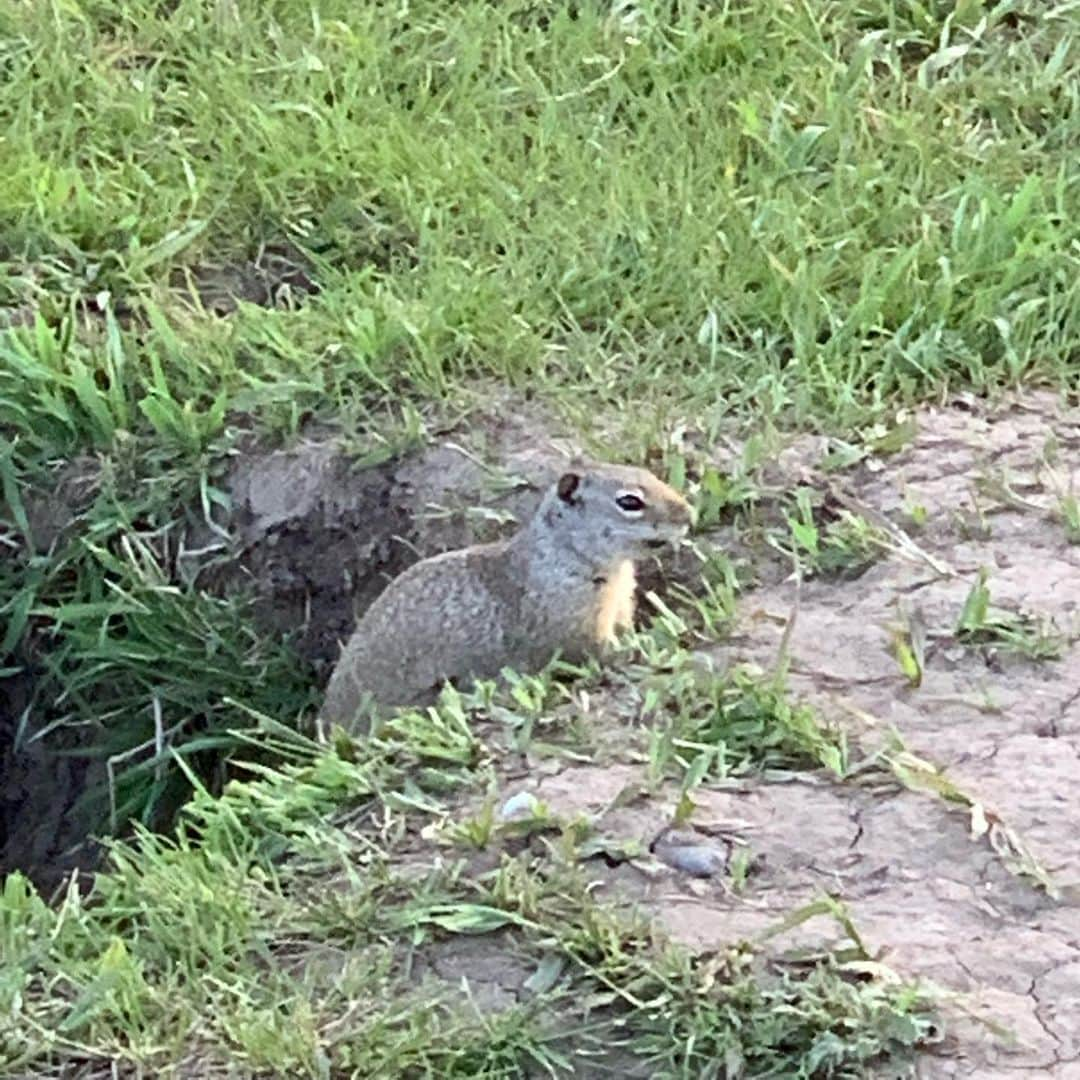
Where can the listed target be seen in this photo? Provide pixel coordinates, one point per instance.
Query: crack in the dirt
(856, 818)
(963, 967)
(915, 586)
(839, 682)
(1065, 706)
(1034, 995)
(1031, 993)
(1037, 1014)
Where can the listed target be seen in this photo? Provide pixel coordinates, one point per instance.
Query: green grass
(647, 215)
(806, 211)
(275, 933)
(981, 624)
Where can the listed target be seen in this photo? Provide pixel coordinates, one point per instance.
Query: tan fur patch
(616, 604)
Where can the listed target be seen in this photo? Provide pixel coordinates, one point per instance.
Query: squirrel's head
(616, 512)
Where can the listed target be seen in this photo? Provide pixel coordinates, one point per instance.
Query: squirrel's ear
(567, 485)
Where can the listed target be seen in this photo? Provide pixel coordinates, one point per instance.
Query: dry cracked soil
(972, 884)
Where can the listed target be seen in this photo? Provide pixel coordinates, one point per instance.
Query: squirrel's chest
(614, 604)
(587, 612)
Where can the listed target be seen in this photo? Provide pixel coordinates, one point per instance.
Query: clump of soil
(277, 275)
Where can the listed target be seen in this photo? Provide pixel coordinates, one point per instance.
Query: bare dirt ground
(955, 892)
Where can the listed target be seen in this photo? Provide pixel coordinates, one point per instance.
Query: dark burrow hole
(275, 275)
(39, 833)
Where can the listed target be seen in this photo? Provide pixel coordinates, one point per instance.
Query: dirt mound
(319, 536)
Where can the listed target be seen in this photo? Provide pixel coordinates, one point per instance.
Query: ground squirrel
(564, 583)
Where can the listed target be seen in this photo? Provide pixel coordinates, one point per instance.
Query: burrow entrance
(314, 535)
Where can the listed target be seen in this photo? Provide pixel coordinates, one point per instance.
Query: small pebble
(699, 860)
(523, 804)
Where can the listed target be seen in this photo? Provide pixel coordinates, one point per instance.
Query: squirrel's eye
(631, 503)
